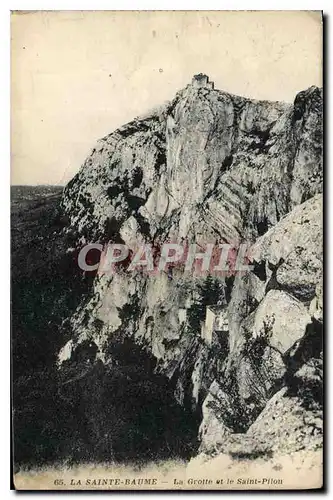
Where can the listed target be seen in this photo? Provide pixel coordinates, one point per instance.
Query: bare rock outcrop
(209, 167)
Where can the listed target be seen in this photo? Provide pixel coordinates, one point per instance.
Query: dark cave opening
(262, 226)
(88, 411)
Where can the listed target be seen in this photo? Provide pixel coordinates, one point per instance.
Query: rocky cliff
(211, 167)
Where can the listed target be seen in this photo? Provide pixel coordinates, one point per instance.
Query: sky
(77, 76)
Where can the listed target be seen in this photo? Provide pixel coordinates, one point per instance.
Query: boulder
(292, 250)
(286, 425)
(213, 430)
(281, 319)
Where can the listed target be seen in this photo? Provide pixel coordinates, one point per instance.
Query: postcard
(166, 255)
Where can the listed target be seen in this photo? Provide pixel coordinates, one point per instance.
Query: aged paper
(167, 250)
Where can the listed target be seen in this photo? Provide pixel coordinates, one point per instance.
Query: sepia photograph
(167, 250)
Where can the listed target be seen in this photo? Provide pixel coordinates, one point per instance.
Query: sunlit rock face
(208, 167)
(234, 166)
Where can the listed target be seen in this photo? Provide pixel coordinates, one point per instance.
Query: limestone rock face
(275, 334)
(293, 250)
(213, 429)
(282, 319)
(278, 429)
(208, 167)
(281, 424)
(230, 164)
